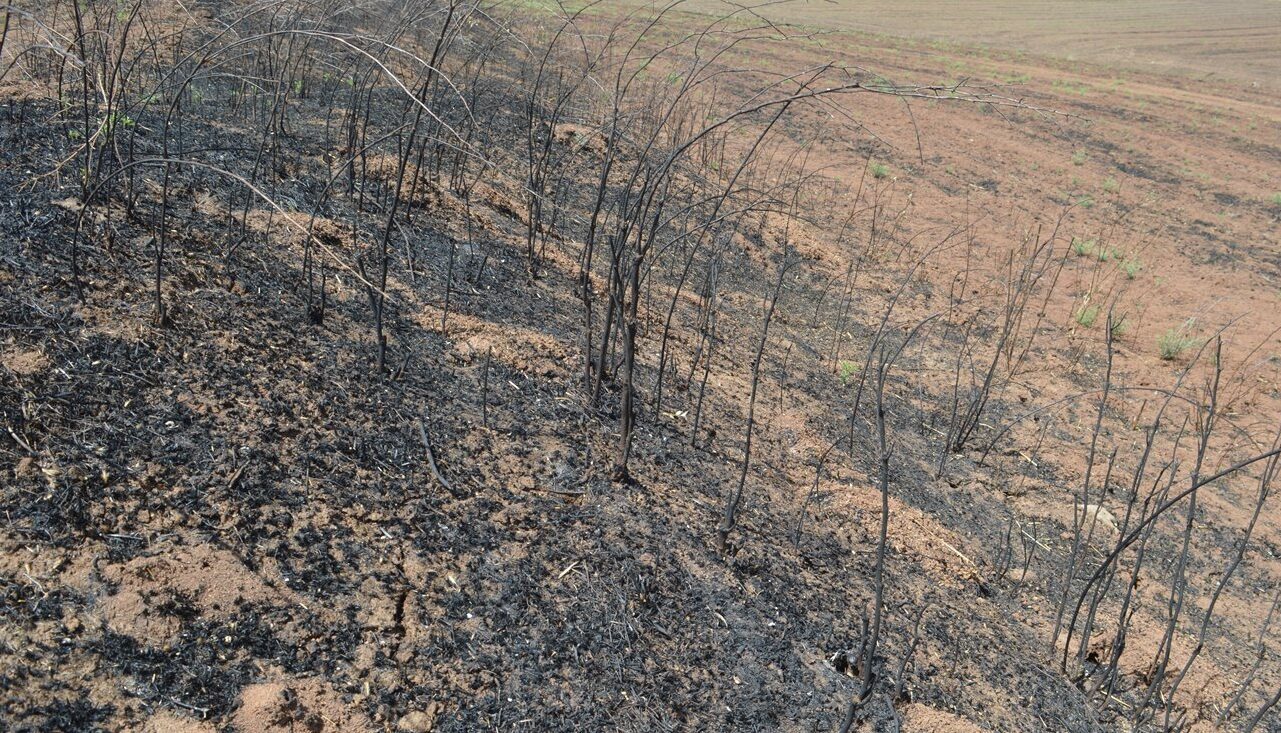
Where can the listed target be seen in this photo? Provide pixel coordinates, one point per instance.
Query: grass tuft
(1120, 326)
(1091, 248)
(1087, 315)
(1175, 341)
(1131, 267)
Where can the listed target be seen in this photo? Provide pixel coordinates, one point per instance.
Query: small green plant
(1120, 326)
(1086, 315)
(1175, 341)
(116, 120)
(109, 125)
(848, 369)
(1078, 158)
(1276, 199)
(1110, 185)
(1085, 201)
(880, 170)
(1131, 267)
(1091, 248)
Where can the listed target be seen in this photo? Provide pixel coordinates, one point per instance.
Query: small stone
(419, 721)
(1098, 515)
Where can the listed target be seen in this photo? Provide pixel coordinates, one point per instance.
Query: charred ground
(235, 517)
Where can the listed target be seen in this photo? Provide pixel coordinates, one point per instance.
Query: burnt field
(455, 366)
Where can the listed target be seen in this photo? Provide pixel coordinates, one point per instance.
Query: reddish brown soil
(1179, 175)
(1193, 39)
